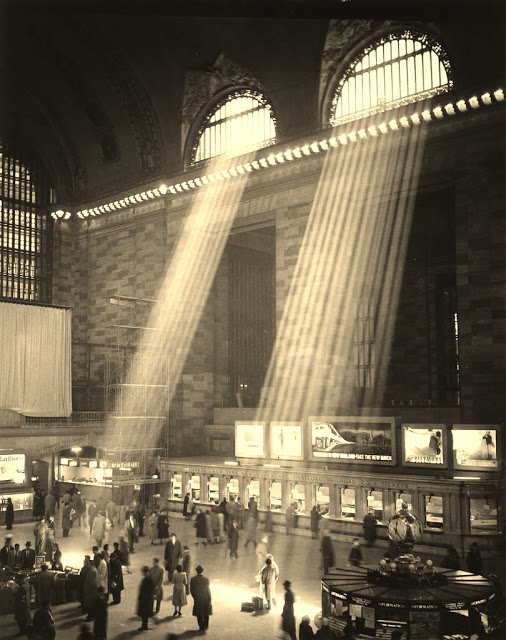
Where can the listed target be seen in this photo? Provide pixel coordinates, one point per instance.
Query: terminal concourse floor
(232, 582)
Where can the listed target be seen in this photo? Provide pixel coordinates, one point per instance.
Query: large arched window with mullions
(25, 228)
(393, 70)
(241, 122)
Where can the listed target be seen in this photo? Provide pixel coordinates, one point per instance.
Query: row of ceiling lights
(429, 115)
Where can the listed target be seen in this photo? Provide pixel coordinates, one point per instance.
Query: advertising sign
(475, 446)
(12, 468)
(353, 439)
(424, 445)
(249, 440)
(286, 440)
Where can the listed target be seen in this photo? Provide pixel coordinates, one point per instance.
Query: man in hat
(201, 593)
(28, 557)
(288, 615)
(5, 551)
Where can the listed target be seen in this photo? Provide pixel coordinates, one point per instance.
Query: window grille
(25, 230)
(364, 348)
(395, 70)
(241, 122)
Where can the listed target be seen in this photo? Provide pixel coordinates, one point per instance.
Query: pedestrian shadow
(189, 633)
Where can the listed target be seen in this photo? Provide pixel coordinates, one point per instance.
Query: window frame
(407, 34)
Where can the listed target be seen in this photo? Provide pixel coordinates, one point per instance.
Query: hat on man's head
(287, 583)
(28, 543)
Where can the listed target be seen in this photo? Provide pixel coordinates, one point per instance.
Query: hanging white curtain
(35, 366)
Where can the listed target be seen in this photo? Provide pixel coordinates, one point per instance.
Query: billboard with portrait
(12, 467)
(424, 445)
(249, 439)
(475, 446)
(353, 439)
(286, 440)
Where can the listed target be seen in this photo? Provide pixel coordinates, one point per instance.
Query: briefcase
(247, 606)
(258, 603)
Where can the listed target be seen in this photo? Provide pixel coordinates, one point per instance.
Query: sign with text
(353, 439)
(12, 468)
(424, 445)
(249, 440)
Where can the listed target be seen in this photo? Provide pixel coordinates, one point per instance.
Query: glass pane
(323, 498)
(483, 514)
(375, 504)
(275, 501)
(434, 512)
(348, 503)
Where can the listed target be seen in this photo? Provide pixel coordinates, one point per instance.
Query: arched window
(243, 121)
(397, 69)
(25, 229)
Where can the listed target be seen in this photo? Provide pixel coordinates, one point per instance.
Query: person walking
(179, 580)
(355, 557)
(92, 514)
(289, 518)
(103, 573)
(268, 579)
(90, 589)
(116, 575)
(153, 527)
(186, 563)
(268, 525)
(209, 527)
(452, 559)
(173, 555)
(66, 522)
(100, 615)
(43, 622)
(240, 513)
(315, 521)
(473, 559)
(327, 551)
(140, 515)
(49, 505)
(200, 527)
(145, 599)
(9, 515)
(251, 529)
(186, 511)
(124, 552)
(201, 594)
(369, 525)
(261, 551)
(22, 603)
(163, 526)
(112, 512)
(288, 615)
(98, 529)
(156, 573)
(233, 539)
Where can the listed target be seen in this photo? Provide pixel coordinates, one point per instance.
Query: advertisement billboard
(475, 446)
(12, 468)
(286, 440)
(250, 440)
(424, 445)
(353, 439)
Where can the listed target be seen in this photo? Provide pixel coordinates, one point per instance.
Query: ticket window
(434, 512)
(213, 488)
(348, 503)
(177, 486)
(195, 487)
(483, 514)
(401, 498)
(233, 488)
(299, 497)
(253, 490)
(375, 504)
(323, 498)
(275, 496)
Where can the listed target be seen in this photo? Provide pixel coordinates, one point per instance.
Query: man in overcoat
(201, 593)
(145, 599)
(173, 555)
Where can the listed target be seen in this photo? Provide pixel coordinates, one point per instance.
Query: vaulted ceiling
(96, 89)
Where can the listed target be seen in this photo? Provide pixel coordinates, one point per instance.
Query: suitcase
(247, 606)
(258, 603)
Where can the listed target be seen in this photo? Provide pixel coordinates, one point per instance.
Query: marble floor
(232, 582)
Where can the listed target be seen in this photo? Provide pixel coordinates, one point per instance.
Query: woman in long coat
(233, 539)
(180, 582)
(315, 521)
(186, 511)
(116, 576)
(153, 526)
(9, 514)
(90, 590)
(200, 527)
(145, 599)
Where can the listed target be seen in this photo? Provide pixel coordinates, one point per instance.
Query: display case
(22, 501)
(12, 467)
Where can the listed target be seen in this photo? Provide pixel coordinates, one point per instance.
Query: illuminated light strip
(306, 149)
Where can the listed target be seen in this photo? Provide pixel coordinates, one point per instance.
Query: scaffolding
(136, 398)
